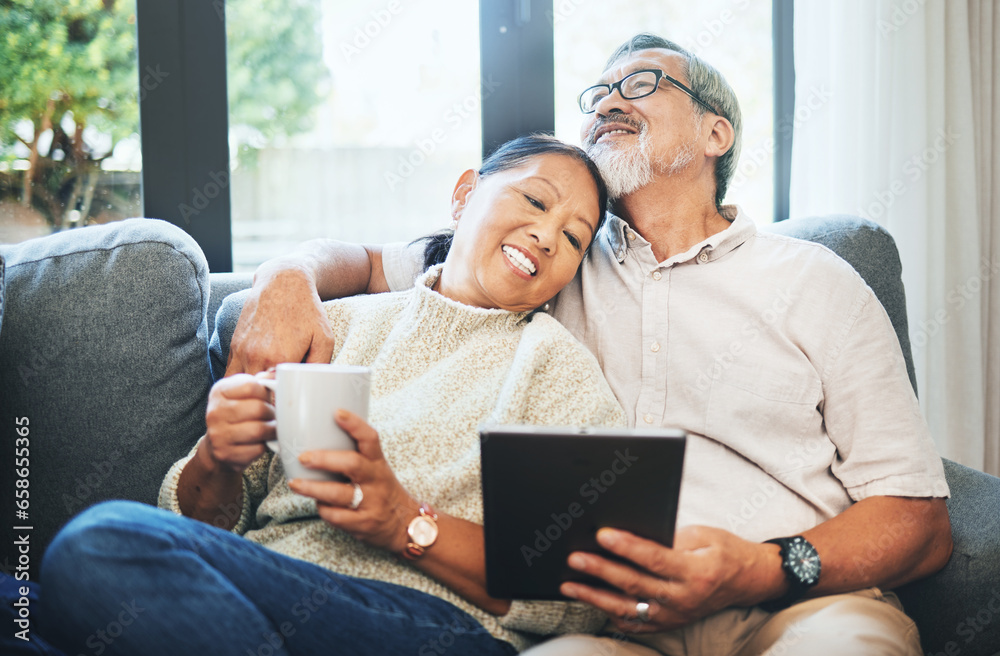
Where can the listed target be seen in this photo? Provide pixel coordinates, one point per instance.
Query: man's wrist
(771, 581)
(287, 270)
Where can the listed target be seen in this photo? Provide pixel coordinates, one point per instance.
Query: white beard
(627, 169)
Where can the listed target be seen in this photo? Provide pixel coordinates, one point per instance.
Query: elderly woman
(315, 571)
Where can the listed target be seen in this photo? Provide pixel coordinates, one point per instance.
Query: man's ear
(460, 196)
(721, 138)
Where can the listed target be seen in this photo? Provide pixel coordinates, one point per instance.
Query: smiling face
(521, 233)
(633, 141)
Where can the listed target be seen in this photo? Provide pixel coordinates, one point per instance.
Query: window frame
(187, 181)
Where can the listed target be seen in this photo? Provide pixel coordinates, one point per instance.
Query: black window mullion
(784, 102)
(517, 66)
(184, 115)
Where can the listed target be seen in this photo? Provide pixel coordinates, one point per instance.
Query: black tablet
(546, 492)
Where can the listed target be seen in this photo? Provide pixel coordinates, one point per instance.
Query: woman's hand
(239, 420)
(386, 510)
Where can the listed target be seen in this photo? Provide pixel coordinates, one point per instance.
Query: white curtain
(908, 135)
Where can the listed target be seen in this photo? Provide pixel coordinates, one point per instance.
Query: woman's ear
(721, 139)
(460, 197)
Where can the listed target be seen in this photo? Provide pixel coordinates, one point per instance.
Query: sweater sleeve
(254, 491)
(559, 383)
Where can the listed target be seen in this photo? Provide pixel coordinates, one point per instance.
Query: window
(69, 120)
(732, 35)
(350, 121)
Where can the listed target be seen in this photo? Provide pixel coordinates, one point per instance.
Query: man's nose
(612, 103)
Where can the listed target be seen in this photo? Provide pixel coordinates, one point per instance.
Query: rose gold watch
(422, 531)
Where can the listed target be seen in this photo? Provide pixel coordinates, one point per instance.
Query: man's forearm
(878, 542)
(336, 269)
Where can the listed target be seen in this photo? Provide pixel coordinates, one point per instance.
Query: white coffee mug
(306, 397)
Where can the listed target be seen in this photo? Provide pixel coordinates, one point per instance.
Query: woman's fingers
(362, 432)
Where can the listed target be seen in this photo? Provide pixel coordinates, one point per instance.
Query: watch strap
(797, 588)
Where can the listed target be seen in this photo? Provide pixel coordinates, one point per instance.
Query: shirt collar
(621, 237)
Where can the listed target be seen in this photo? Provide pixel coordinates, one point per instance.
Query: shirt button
(703, 257)
(657, 275)
(655, 347)
(648, 419)
(631, 236)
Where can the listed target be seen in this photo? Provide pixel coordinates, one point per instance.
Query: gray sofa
(111, 336)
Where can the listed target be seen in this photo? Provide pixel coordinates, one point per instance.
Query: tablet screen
(546, 492)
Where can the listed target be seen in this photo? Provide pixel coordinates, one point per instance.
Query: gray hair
(710, 86)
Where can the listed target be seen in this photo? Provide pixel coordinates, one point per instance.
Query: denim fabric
(19, 618)
(104, 351)
(139, 580)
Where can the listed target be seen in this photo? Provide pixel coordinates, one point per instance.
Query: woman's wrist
(205, 486)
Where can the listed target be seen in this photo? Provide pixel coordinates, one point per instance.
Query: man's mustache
(616, 119)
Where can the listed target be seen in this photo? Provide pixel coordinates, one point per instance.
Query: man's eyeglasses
(634, 85)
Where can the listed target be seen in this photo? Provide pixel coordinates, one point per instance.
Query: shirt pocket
(768, 414)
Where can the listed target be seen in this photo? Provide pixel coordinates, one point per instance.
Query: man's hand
(708, 569)
(283, 320)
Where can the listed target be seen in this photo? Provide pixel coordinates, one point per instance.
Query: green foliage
(72, 56)
(67, 65)
(275, 64)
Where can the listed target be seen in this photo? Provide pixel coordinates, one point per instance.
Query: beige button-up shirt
(771, 352)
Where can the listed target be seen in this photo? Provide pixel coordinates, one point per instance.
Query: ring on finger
(642, 611)
(357, 498)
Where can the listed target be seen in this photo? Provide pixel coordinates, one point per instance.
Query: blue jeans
(127, 578)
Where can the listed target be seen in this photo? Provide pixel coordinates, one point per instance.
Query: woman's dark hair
(512, 154)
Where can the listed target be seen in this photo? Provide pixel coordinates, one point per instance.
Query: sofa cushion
(104, 352)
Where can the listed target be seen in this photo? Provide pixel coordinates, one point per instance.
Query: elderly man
(806, 441)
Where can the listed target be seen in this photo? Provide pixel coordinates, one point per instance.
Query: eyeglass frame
(660, 75)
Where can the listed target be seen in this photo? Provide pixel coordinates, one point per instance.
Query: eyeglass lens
(633, 86)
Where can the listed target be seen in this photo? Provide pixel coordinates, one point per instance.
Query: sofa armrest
(104, 351)
(958, 609)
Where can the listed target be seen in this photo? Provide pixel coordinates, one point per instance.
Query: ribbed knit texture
(440, 370)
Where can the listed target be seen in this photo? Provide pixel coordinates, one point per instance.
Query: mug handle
(272, 385)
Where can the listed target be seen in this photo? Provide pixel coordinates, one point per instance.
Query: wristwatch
(422, 531)
(801, 563)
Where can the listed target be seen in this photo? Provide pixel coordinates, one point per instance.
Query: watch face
(423, 531)
(803, 560)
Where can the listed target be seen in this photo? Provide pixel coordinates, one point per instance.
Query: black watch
(801, 563)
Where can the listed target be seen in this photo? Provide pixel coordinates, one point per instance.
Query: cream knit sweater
(440, 370)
